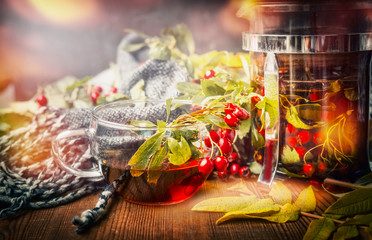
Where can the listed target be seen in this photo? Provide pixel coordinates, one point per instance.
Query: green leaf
(306, 201)
(259, 208)
(244, 127)
(257, 139)
(281, 194)
(211, 88)
(189, 88)
(320, 229)
(156, 164)
(255, 167)
(141, 157)
(309, 111)
(111, 98)
(366, 179)
(184, 39)
(168, 103)
(181, 151)
(161, 124)
(364, 219)
(355, 202)
(137, 92)
(224, 204)
(346, 232)
(292, 117)
(134, 47)
(159, 50)
(78, 83)
(215, 120)
(289, 155)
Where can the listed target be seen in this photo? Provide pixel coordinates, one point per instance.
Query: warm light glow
(66, 11)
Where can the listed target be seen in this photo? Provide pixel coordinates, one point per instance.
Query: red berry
(322, 168)
(223, 175)
(221, 163)
(315, 95)
(308, 169)
(261, 131)
(230, 107)
(234, 169)
(245, 172)
(292, 141)
(319, 137)
(42, 100)
(205, 166)
(225, 145)
(301, 151)
(255, 99)
(304, 136)
(231, 120)
(114, 89)
(98, 89)
(228, 133)
(291, 128)
(233, 157)
(94, 96)
(209, 74)
(241, 113)
(212, 135)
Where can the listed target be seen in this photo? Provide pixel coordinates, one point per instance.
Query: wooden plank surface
(124, 220)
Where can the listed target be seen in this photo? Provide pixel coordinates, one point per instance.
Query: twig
(319, 217)
(343, 184)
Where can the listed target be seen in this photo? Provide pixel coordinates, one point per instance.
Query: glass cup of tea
(146, 145)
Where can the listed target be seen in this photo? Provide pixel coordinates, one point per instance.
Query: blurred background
(44, 40)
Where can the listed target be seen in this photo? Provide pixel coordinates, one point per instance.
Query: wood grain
(129, 221)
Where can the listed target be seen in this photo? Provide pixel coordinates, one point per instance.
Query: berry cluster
(228, 162)
(96, 91)
(234, 115)
(300, 140)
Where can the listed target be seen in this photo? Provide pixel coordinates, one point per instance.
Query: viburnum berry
(308, 169)
(241, 113)
(301, 151)
(225, 145)
(209, 74)
(230, 107)
(322, 168)
(42, 100)
(319, 137)
(245, 172)
(292, 141)
(291, 128)
(255, 99)
(231, 120)
(233, 158)
(98, 89)
(304, 136)
(205, 166)
(221, 163)
(94, 96)
(228, 133)
(234, 169)
(223, 175)
(212, 135)
(315, 95)
(114, 89)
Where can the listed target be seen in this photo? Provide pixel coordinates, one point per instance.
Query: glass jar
(313, 65)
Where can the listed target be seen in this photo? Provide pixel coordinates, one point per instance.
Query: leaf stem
(320, 217)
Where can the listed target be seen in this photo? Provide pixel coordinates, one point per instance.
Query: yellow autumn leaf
(224, 204)
(306, 201)
(281, 194)
(259, 208)
(288, 212)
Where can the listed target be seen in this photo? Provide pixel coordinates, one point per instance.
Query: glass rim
(297, 43)
(124, 126)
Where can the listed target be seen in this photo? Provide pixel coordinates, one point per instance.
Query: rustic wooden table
(129, 221)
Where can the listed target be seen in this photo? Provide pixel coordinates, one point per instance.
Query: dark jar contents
(324, 106)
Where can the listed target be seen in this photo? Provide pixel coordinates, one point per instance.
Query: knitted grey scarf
(29, 176)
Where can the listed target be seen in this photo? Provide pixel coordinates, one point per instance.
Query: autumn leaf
(346, 232)
(224, 204)
(355, 202)
(281, 194)
(289, 155)
(306, 201)
(320, 229)
(258, 208)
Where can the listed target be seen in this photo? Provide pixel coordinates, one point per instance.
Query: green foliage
(320, 229)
